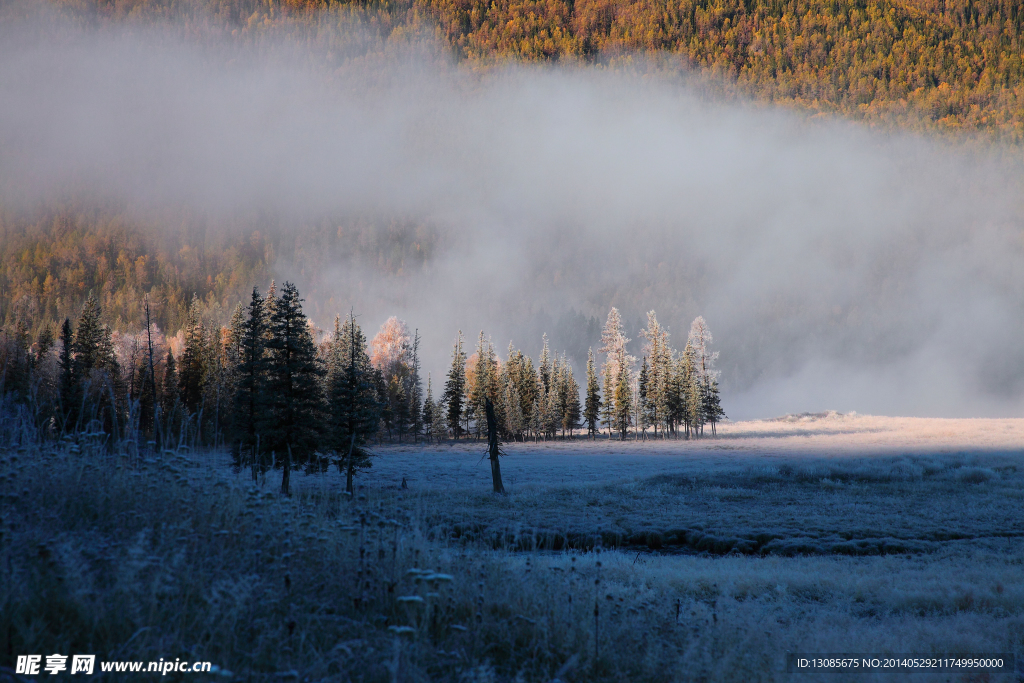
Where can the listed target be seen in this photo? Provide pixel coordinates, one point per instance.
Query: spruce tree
(293, 417)
(439, 422)
(68, 380)
(250, 390)
(674, 405)
(96, 368)
(416, 419)
(645, 410)
(544, 368)
(713, 412)
(427, 416)
(572, 410)
(592, 409)
(354, 402)
(536, 418)
(455, 387)
(515, 421)
(623, 401)
(704, 361)
(613, 345)
(192, 364)
(659, 372)
(691, 389)
(476, 388)
(88, 338)
(169, 402)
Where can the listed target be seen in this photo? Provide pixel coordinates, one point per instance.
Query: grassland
(135, 555)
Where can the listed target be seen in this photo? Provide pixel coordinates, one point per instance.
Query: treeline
(278, 396)
(950, 67)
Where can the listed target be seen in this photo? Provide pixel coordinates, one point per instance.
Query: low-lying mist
(838, 268)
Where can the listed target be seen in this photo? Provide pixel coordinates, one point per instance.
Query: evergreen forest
(280, 394)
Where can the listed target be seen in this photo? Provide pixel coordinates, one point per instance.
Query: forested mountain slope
(952, 69)
(949, 67)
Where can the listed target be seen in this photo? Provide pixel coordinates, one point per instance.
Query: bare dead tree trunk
(492, 447)
(351, 465)
(152, 380)
(286, 472)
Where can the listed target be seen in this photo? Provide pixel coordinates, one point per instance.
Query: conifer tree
(623, 401)
(427, 416)
(704, 363)
(391, 357)
(169, 402)
(439, 421)
(592, 410)
(659, 372)
(192, 364)
(416, 419)
(93, 347)
(87, 337)
(544, 368)
(691, 392)
(558, 398)
(536, 418)
(455, 387)
(250, 388)
(644, 404)
(294, 408)
(613, 345)
(477, 386)
(571, 410)
(674, 404)
(68, 382)
(235, 335)
(355, 404)
(515, 422)
(713, 412)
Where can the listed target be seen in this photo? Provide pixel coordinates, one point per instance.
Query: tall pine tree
(250, 385)
(354, 404)
(455, 388)
(293, 417)
(592, 409)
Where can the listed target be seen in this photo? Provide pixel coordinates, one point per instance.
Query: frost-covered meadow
(814, 533)
(660, 561)
(813, 484)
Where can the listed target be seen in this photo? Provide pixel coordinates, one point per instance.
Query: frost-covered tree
(713, 412)
(704, 362)
(643, 404)
(455, 388)
(569, 399)
(414, 389)
(427, 415)
(692, 400)
(623, 402)
(658, 386)
(592, 407)
(544, 367)
(613, 346)
(392, 357)
(482, 382)
(515, 421)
